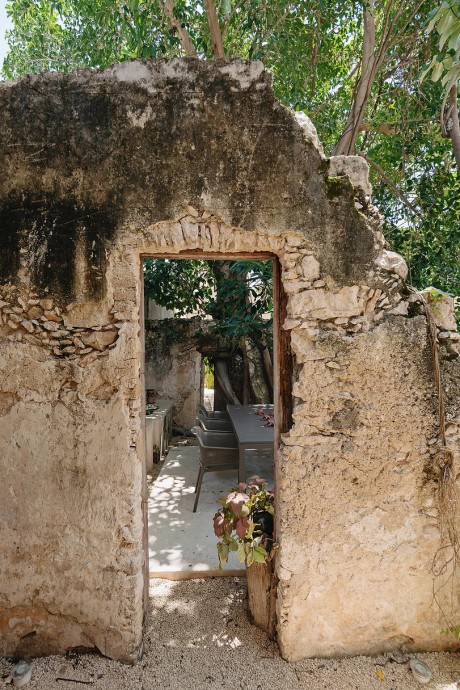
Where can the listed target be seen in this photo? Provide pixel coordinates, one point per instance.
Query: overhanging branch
(388, 181)
(167, 7)
(214, 28)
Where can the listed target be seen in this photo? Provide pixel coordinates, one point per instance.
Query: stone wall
(173, 365)
(99, 169)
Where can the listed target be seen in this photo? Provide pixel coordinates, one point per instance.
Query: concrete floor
(182, 544)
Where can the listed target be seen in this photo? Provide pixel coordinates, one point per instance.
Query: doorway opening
(211, 341)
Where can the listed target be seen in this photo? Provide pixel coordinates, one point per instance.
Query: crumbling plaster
(99, 169)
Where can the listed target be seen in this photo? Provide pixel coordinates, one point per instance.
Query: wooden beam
(283, 364)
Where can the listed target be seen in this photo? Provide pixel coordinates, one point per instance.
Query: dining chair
(218, 451)
(211, 424)
(213, 414)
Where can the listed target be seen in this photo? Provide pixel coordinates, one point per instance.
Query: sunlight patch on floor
(182, 544)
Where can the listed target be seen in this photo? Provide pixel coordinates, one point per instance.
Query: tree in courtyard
(238, 296)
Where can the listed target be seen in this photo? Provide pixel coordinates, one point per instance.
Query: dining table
(251, 431)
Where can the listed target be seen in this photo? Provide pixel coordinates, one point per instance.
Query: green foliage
(432, 245)
(242, 525)
(185, 285)
(208, 373)
(237, 295)
(446, 64)
(244, 300)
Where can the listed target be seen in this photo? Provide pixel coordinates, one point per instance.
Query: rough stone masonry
(98, 169)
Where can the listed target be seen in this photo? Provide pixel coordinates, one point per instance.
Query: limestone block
(295, 286)
(310, 268)
(85, 315)
(305, 347)
(46, 303)
(309, 131)
(401, 308)
(442, 308)
(289, 324)
(391, 261)
(35, 312)
(355, 167)
(99, 340)
(324, 304)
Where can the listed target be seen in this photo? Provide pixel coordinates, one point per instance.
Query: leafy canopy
(237, 295)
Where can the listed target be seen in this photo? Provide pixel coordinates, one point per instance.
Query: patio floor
(182, 544)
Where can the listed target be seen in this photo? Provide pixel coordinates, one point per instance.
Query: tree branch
(382, 174)
(404, 28)
(454, 133)
(347, 141)
(167, 6)
(372, 60)
(228, 21)
(214, 28)
(391, 127)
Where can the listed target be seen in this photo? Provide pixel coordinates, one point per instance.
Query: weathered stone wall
(173, 365)
(153, 158)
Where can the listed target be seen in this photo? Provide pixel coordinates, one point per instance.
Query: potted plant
(244, 524)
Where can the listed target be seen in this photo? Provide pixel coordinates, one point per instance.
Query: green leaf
(222, 551)
(258, 557)
(451, 77)
(241, 553)
(437, 71)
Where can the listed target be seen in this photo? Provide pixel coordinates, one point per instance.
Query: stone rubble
(41, 318)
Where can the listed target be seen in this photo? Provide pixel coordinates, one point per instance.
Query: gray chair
(211, 424)
(218, 451)
(214, 414)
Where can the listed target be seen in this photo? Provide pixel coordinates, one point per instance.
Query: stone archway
(154, 158)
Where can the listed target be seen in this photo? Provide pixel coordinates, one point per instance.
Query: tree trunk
(369, 67)
(214, 28)
(260, 390)
(246, 374)
(455, 131)
(221, 375)
(268, 364)
(262, 596)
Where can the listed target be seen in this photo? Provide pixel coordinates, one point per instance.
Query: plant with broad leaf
(445, 19)
(245, 523)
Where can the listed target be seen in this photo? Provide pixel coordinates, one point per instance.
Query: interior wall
(100, 169)
(173, 365)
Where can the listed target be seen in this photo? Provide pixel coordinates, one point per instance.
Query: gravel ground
(199, 638)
